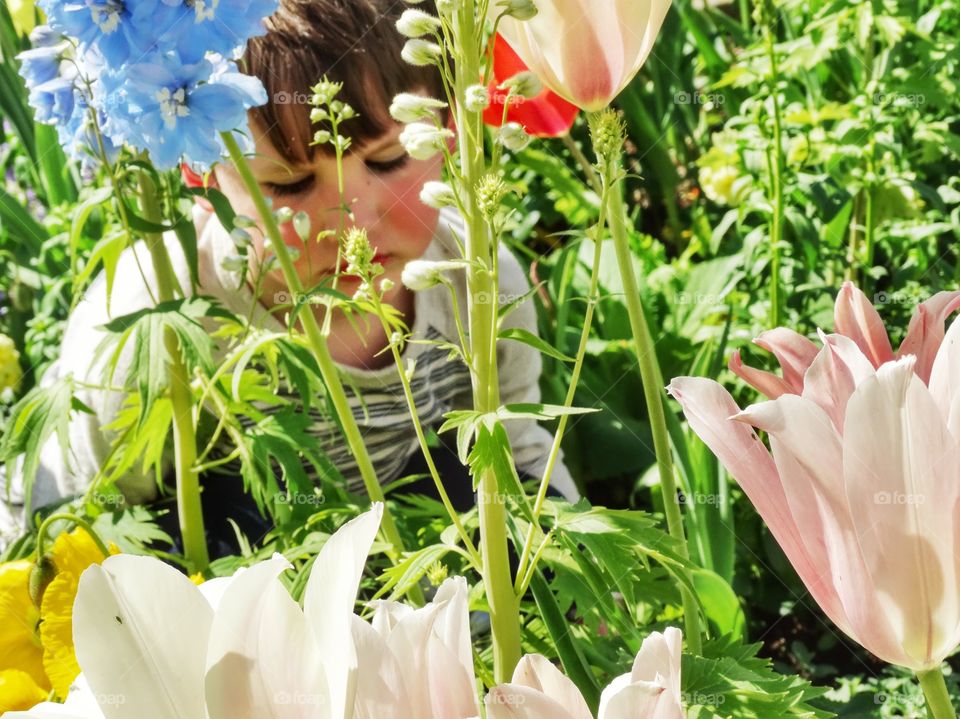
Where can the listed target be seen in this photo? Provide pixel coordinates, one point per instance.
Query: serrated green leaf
(518, 334)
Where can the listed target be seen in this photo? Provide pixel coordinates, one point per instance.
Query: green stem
(321, 352)
(67, 517)
(422, 439)
(482, 283)
(189, 506)
(935, 691)
(776, 230)
(653, 393)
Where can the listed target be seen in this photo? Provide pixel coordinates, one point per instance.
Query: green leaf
(491, 452)
(720, 604)
(531, 410)
(33, 420)
(405, 574)
(527, 337)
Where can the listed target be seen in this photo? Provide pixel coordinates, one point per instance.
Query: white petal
(329, 601)
(538, 672)
(140, 628)
(380, 689)
(262, 660)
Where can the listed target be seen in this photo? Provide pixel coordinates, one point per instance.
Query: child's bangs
(350, 41)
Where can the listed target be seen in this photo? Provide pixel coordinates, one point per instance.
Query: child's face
(381, 185)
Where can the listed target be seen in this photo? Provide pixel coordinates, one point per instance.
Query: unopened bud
(525, 84)
(301, 224)
(407, 107)
(422, 141)
(283, 215)
(421, 52)
(424, 274)
(415, 23)
(518, 9)
(477, 99)
(234, 263)
(437, 195)
(241, 238)
(514, 137)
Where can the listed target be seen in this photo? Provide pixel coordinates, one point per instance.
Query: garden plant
(722, 217)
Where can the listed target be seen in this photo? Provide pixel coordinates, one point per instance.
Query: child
(354, 42)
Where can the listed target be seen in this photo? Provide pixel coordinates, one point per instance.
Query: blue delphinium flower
(175, 110)
(49, 75)
(217, 26)
(121, 30)
(79, 136)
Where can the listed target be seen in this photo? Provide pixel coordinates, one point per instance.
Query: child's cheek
(409, 217)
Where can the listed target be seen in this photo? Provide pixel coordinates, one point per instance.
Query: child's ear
(194, 179)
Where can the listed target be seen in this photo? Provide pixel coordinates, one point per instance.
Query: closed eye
(384, 168)
(291, 188)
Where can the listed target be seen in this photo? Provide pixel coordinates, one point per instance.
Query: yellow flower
(18, 691)
(10, 372)
(72, 553)
(19, 643)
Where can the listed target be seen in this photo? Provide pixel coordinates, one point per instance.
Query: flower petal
(514, 701)
(381, 693)
(328, 604)
(766, 383)
(140, 629)
(856, 318)
(902, 474)
(834, 375)
(538, 672)
(659, 661)
(261, 660)
(945, 379)
(623, 700)
(793, 351)
(925, 332)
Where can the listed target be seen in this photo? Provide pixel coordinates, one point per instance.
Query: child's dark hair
(350, 41)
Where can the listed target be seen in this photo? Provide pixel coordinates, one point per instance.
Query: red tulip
(546, 115)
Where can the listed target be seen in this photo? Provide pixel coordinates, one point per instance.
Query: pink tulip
(587, 51)
(861, 490)
(651, 690)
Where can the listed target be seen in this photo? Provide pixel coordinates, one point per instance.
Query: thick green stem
(321, 352)
(653, 393)
(935, 691)
(189, 507)
(483, 309)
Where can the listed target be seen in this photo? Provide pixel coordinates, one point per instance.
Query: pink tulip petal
(793, 351)
(856, 318)
(380, 690)
(639, 699)
(538, 672)
(659, 660)
(808, 452)
(766, 383)
(514, 701)
(834, 375)
(925, 332)
(945, 379)
(902, 471)
(708, 408)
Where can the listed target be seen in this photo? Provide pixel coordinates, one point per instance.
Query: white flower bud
(477, 98)
(386, 284)
(518, 9)
(241, 238)
(514, 137)
(283, 215)
(525, 84)
(301, 223)
(446, 8)
(234, 263)
(293, 253)
(421, 52)
(407, 107)
(243, 221)
(318, 114)
(423, 274)
(437, 195)
(416, 23)
(423, 141)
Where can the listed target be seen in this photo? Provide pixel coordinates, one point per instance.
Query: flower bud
(407, 107)
(234, 263)
(477, 99)
(318, 114)
(437, 195)
(283, 215)
(415, 23)
(301, 224)
(446, 8)
(514, 137)
(423, 141)
(421, 52)
(241, 238)
(423, 274)
(518, 9)
(608, 133)
(386, 284)
(244, 221)
(490, 192)
(357, 251)
(42, 573)
(525, 84)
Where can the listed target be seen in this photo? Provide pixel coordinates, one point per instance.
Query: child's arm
(520, 366)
